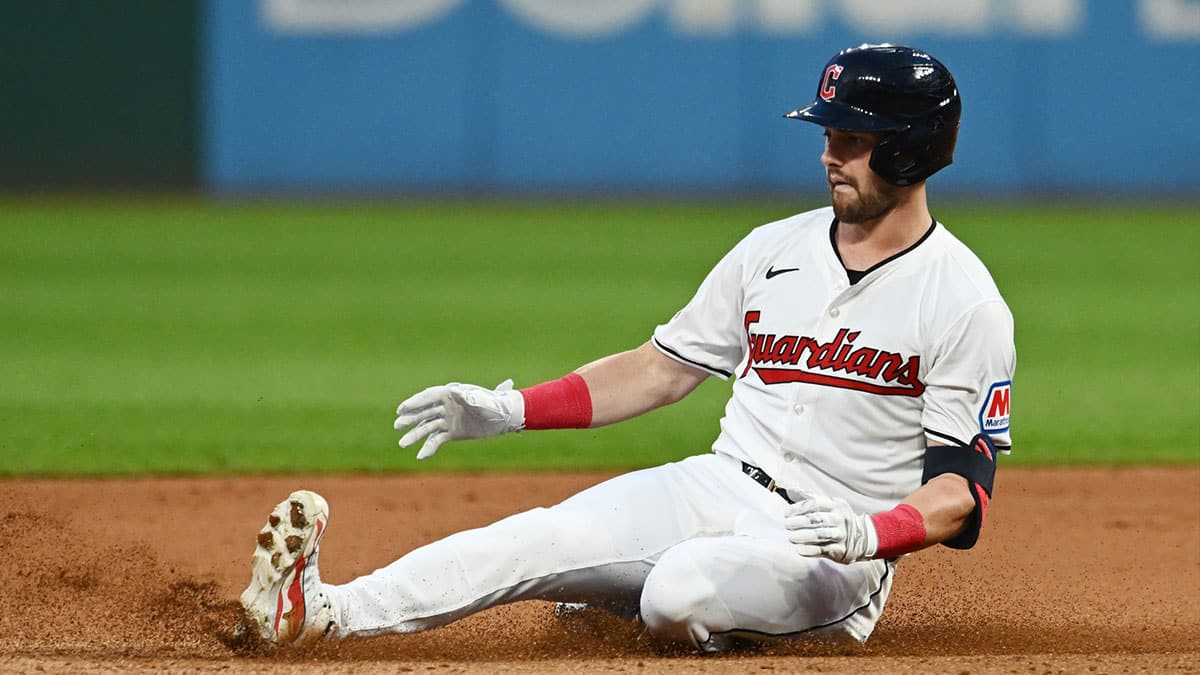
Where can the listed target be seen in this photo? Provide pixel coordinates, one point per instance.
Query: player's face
(857, 193)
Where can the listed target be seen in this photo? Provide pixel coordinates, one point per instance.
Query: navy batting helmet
(900, 91)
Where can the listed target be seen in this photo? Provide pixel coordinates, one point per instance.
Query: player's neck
(862, 245)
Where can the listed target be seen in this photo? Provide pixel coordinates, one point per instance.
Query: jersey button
(799, 408)
(834, 312)
(789, 458)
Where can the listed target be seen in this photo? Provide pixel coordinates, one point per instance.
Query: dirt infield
(1079, 570)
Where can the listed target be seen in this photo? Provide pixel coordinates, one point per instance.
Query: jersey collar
(837, 254)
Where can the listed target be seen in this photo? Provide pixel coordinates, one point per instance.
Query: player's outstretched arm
(631, 383)
(612, 389)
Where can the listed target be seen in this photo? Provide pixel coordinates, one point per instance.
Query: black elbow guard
(975, 461)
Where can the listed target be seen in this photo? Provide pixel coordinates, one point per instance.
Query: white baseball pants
(696, 547)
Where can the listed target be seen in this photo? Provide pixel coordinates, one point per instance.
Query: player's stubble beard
(865, 203)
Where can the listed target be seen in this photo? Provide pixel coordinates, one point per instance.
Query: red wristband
(564, 403)
(900, 531)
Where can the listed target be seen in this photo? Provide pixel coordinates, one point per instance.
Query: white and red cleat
(285, 600)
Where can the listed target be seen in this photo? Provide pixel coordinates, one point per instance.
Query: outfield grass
(183, 336)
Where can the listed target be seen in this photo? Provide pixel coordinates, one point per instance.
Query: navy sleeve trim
(944, 437)
(696, 364)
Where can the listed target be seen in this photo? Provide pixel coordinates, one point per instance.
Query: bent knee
(680, 601)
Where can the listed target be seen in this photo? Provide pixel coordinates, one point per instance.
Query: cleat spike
(298, 520)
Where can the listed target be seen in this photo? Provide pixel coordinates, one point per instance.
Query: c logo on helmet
(827, 88)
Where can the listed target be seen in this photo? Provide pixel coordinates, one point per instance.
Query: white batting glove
(828, 527)
(456, 411)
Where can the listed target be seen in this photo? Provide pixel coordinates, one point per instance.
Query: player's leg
(598, 546)
(707, 591)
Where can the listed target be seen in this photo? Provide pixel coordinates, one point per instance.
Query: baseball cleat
(285, 600)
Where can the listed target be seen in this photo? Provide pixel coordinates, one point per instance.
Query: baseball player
(871, 357)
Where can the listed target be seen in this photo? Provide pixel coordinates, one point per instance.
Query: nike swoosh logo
(772, 272)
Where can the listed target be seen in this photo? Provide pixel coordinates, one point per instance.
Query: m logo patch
(993, 416)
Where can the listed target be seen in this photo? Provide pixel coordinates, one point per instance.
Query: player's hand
(456, 411)
(827, 527)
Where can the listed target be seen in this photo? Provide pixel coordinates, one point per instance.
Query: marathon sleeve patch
(968, 387)
(994, 415)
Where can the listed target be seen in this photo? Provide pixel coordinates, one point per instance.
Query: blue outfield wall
(1075, 95)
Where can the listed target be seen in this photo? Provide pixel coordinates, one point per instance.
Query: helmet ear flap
(894, 159)
(914, 153)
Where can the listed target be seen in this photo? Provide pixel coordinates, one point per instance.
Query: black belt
(764, 479)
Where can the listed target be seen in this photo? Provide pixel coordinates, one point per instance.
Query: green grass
(183, 336)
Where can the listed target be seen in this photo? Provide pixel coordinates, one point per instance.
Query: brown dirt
(1094, 570)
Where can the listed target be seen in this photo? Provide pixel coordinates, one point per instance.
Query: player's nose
(827, 157)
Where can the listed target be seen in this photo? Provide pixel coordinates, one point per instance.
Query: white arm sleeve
(968, 389)
(708, 333)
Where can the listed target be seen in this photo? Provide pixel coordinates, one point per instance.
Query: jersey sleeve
(968, 389)
(708, 333)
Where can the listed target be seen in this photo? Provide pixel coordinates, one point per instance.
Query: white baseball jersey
(839, 387)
